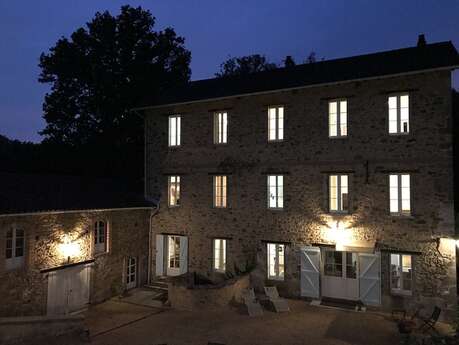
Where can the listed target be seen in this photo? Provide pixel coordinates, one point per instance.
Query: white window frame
(175, 129)
(100, 242)
(15, 261)
(173, 194)
(220, 127)
(341, 118)
(397, 112)
(279, 250)
(339, 193)
(275, 192)
(401, 290)
(397, 193)
(219, 254)
(220, 191)
(276, 116)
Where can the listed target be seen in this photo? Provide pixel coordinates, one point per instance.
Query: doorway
(173, 255)
(131, 272)
(340, 274)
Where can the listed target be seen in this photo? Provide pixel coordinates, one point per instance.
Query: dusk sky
(213, 30)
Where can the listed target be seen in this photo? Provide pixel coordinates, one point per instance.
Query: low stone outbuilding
(66, 242)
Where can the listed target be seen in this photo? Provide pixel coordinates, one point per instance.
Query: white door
(131, 272)
(370, 278)
(68, 290)
(310, 271)
(173, 255)
(340, 273)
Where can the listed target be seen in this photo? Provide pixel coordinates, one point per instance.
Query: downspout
(152, 214)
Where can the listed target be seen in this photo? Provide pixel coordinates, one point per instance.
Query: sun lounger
(253, 306)
(279, 304)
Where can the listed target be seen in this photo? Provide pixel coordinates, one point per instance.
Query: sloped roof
(28, 193)
(406, 60)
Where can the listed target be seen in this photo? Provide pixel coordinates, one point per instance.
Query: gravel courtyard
(115, 323)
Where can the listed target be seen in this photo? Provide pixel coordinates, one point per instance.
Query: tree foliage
(244, 65)
(97, 75)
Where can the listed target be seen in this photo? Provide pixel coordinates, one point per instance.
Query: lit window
(275, 191)
(174, 130)
(338, 193)
(275, 123)
(220, 191)
(174, 252)
(337, 118)
(15, 243)
(399, 190)
(174, 190)
(100, 237)
(276, 263)
(219, 255)
(221, 128)
(399, 114)
(401, 273)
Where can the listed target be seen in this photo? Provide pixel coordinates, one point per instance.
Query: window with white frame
(275, 123)
(399, 114)
(276, 261)
(276, 191)
(100, 237)
(400, 194)
(174, 130)
(220, 195)
(337, 118)
(174, 191)
(220, 255)
(401, 273)
(221, 127)
(15, 248)
(338, 193)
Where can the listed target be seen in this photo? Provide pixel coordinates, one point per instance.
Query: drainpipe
(152, 214)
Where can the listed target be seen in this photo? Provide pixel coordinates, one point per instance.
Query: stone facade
(25, 289)
(306, 157)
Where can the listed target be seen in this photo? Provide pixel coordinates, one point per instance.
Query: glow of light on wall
(68, 248)
(338, 233)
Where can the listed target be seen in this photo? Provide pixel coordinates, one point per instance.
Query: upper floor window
(221, 127)
(174, 130)
(338, 193)
(276, 263)
(100, 237)
(401, 273)
(275, 191)
(174, 190)
(400, 195)
(15, 243)
(337, 118)
(220, 194)
(220, 255)
(275, 123)
(399, 114)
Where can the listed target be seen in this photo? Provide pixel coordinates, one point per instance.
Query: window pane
(351, 265)
(178, 131)
(271, 260)
(393, 102)
(332, 127)
(280, 123)
(343, 107)
(332, 108)
(395, 271)
(343, 124)
(333, 263)
(333, 185)
(272, 124)
(404, 101)
(225, 128)
(280, 261)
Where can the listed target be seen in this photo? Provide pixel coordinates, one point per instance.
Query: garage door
(68, 289)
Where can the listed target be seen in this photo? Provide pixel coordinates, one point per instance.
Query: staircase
(160, 289)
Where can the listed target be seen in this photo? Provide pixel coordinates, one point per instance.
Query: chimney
(421, 41)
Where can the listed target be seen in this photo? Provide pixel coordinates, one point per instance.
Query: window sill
(276, 141)
(338, 213)
(173, 206)
(100, 254)
(274, 279)
(402, 293)
(338, 137)
(399, 134)
(275, 209)
(401, 215)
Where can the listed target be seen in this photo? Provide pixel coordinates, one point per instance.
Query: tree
(97, 75)
(311, 58)
(244, 65)
(289, 62)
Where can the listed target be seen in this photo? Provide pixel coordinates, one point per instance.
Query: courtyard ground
(117, 323)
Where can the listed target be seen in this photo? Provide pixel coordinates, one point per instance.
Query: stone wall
(25, 289)
(305, 158)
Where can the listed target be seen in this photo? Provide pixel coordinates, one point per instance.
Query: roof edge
(38, 213)
(451, 67)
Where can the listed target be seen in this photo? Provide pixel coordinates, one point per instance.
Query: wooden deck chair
(279, 304)
(253, 306)
(429, 323)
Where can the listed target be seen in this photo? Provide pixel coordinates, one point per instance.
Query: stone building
(67, 242)
(329, 180)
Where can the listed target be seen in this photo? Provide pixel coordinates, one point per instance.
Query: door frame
(172, 271)
(133, 284)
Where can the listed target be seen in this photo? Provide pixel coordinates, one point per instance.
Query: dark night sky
(213, 30)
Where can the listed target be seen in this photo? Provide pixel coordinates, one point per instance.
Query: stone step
(157, 287)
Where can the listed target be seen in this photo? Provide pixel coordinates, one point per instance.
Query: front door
(340, 275)
(131, 272)
(68, 290)
(173, 255)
